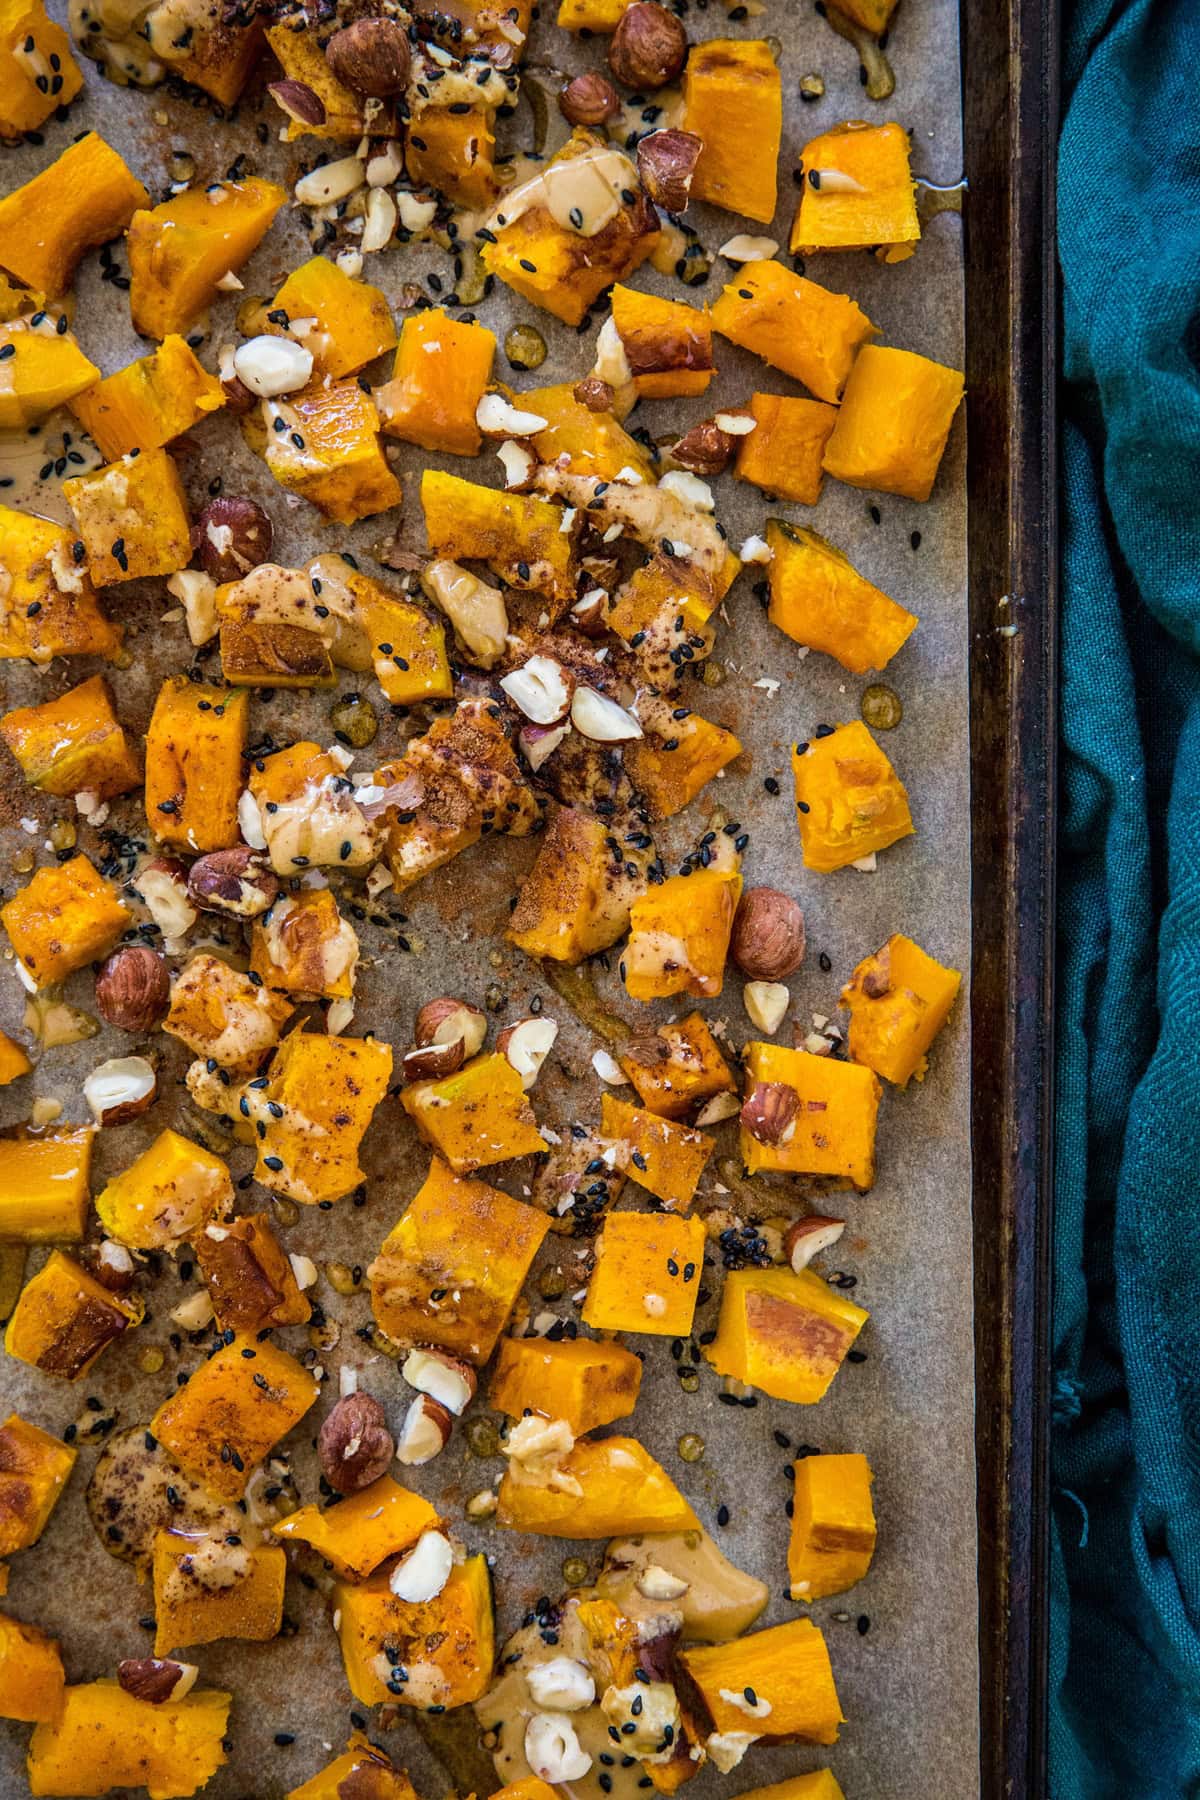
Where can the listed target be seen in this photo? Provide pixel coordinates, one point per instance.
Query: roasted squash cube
(323, 443)
(451, 1269)
(306, 808)
(233, 1411)
(559, 268)
(363, 1769)
(834, 1131)
(586, 1383)
(624, 1492)
(794, 325)
(818, 598)
(149, 402)
(785, 1334)
(358, 1533)
(303, 946)
(898, 1001)
(532, 1787)
(67, 915)
(250, 1280)
(679, 935)
(104, 1738)
(73, 744)
(592, 443)
(879, 212)
(441, 370)
(786, 1666)
(520, 536)
(576, 898)
(667, 344)
(833, 1525)
(169, 1194)
(349, 323)
(479, 1116)
(34, 1468)
(180, 251)
(454, 151)
(328, 1089)
(850, 802)
(647, 1274)
(820, 1785)
(691, 1071)
(51, 607)
(194, 751)
(436, 1653)
(132, 516)
(218, 55)
(894, 421)
(31, 1672)
(302, 59)
(44, 369)
(64, 1319)
(220, 1014)
(44, 1185)
(668, 773)
(13, 1064)
(206, 1589)
(38, 73)
(83, 198)
(666, 1159)
(783, 453)
(585, 15)
(733, 101)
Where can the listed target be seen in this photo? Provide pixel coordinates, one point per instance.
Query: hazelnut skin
(371, 56)
(354, 1446)
(648, 48)
(133, 989)
(666, 163)
(250, 534)
(767, 942)
(589, 100)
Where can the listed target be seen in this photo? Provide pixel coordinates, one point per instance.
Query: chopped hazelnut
(666, 162)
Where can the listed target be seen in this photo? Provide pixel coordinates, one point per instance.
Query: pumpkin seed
(691, 1445)
(575, 1571)
(689, 1382)
(63, 834)
(552, 1283)
(483, 1438)
(151, 1361)
(881, 707)
(356, 720)
(342, 1278)
(875, 70)
(525, 347)
(286, 1211)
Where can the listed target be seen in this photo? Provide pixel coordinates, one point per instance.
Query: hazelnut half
(156, 1679)
(424, 1433)
(133, 989)
(648, 48)
(769, 1112)
(594, 393)
(299, 101)
(231, 536)
(234, 881)
(430, 1062)
(589, 100)
(527, 1044)
(705, 449)
(767, 942)
(666, 162)
(120, 1089)
(371, 56)
(444, 1378)
(354, 1446)
(806, 1238)
(448, 1021)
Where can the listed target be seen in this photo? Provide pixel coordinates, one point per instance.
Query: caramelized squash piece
(206, 1589)
(303, 946)
(441, 371)
(50, 608)
(13, 1061)
(132, 516)
(783, 1333)
(194, 749)
(850, 801)
(233, 1411)
(678, 1069)
(436, 1653)
(872, 208)
(352, 321)
(83, 198)
(786, 1666)
(34, 1469)
(588, 1384)
(647, 1274)
(667, 344)
(328, 1088)
(149, 402)
(894, 421)
(624, 1491)
(520, 536)
(219, 53)
(180, 251)
(249, 1277)
(31, 1673)
(818, 598)
(73, 744)
(380, 1521)
(576, 898)
(223, 1016)
(302, 59)
(364, 1770)
(593, 443)
(455, 152)
(104, 1738)
(898, 1001)
(167, 1195)
(450, 1270)
(679, 935)
(668, 773)
(323, 443)
(666, 1158)
(733, 100)
(40, 368)
(795, 325)
(833, 1525)
(66, 916)
(38, 73)
(64, 1319)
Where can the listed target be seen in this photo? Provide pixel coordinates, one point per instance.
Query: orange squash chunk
(66, 916)
(693, 1070)
(31, 1673)
(834, 1131)
(586, 1383)
(444, 1648)
(220, 1014)
(302, 58)
(679, 935)
(441, 371)
(520, 536)
(83, 198)
(894, 421)
(74, 743)
(667, 344)
(881, 216)
(783, 453)
(44, 1184)
(194, 764)
(42, 369)
(850, 801)
(364, 1529)
(820, 1785)
(898, 1001)
(328, 1089)
(206, 1589)
(450, 1270)
(833, 1525)
(593, 443)
(647, 1274)
(180, 251)
(105, 1738)
(249, 1277)
(733, 100)
(454, 152)
(795, 325)
(168, 1194)
(323, 443)
(818, 598)
(787, 1666)
(354, 322)
(576, 898)
(34, 1468)
(64, 1319)
(38, 73)
(13, 1061)
(667, 1159)
(222, 1424)
(303, 946)
(668, 779)
(624, 1492)
(477, 1117)
(149, 402)
(362, 1769)
(51, 606)
(132, 516)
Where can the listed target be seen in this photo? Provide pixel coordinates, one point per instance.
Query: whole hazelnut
(648, 48)
(705, 449)
(354, 1446)
(666, 162)
(230, 537)
(594, 393)
(769, 1112)
(371, 56)
(299, 101)
(155, 1679)
(133, 989)
(236, 881)
(767, 942)
(589, 100)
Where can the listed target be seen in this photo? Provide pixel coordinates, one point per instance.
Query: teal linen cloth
(1125, 1621)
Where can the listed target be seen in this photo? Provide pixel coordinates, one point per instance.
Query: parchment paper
(903, 1643)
